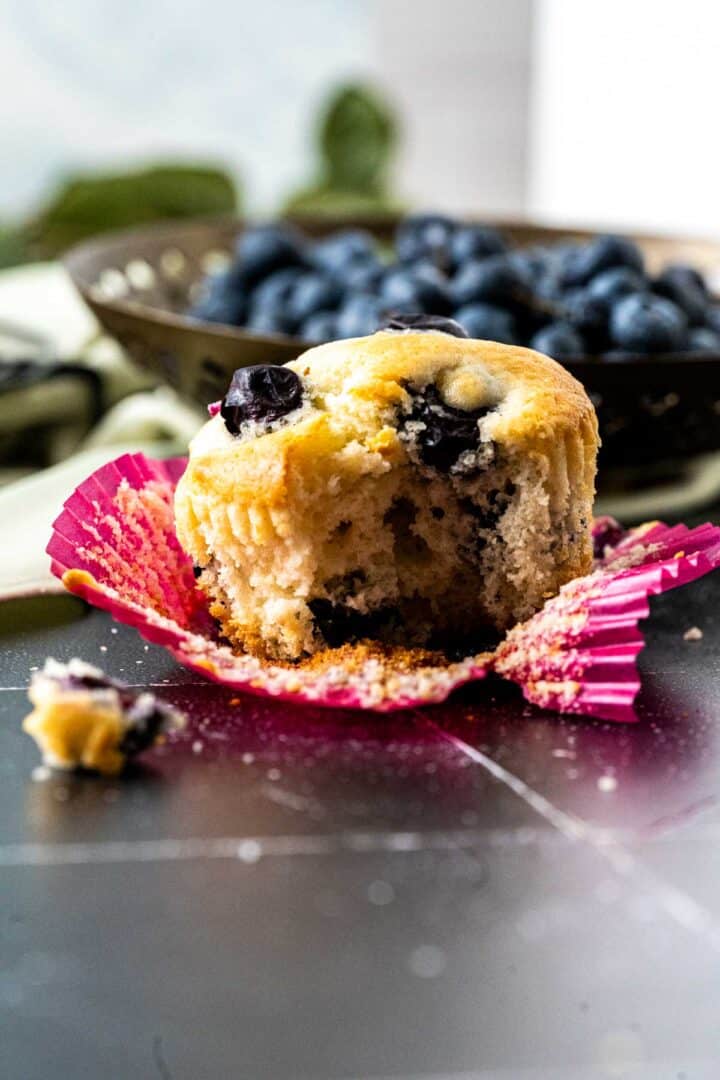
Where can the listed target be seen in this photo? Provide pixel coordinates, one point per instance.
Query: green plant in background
(87, 204)
(356, 141)
(13, 245)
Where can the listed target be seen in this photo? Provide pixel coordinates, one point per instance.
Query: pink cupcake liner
(114, 545)
(578, 655)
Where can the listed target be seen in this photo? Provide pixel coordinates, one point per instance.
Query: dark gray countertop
(476, 890)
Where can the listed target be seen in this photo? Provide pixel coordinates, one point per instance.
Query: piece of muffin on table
(413, 487)
(83, 719)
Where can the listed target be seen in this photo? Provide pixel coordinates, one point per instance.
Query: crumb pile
(416, 488)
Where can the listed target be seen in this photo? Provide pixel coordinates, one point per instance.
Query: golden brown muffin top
(359, 382)
(530, 390)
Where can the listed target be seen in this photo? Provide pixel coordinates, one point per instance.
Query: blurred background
(596, 114)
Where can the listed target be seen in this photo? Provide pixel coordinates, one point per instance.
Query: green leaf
(357, 139)
(13, 246)
(322, 200)
(89, 204)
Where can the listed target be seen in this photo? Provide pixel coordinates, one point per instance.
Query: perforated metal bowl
(139, 283)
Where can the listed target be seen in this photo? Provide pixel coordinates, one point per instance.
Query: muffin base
(407, 556)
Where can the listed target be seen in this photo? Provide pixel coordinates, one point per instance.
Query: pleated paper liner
(114, 544)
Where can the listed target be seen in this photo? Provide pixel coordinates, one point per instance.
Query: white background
(625, 113)
(585, 110)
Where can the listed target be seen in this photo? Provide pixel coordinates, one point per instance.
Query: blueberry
(424, 268)
(646, 323)
(702, 339)
(145, 719)
(558, 339)
(285, 299)
(313, 292)
(276, 289)
(712, 317)
(399, 321)
(610, 285)
(341, 248)
(607, 533)
(421, 289)
(589, 316)
(530, 265)
(320, 327)
(260, 392)
(688, 274)
(686, 288)
(546, 264)
(547, 291)
(269, 319)
(425, 236)
(359, 316)
(585, 262)
(340, 623)
(262, 249)
(492, 280)
(546, 286)
(90, 679)
(361, 275)
(487, 322)
(446, 432)
(474, 242)
(220, 301)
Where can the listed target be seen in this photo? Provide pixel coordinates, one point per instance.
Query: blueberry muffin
(414, 487)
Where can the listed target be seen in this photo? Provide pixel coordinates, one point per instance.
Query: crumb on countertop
(84, 719)
(693, 634)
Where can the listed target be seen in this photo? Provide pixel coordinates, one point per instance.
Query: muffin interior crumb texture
(395, 506)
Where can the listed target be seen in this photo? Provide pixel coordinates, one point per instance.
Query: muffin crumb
(84, 719)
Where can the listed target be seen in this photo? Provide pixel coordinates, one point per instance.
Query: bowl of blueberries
(636, 320)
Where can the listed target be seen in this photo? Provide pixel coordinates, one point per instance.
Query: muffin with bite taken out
(414, 487)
